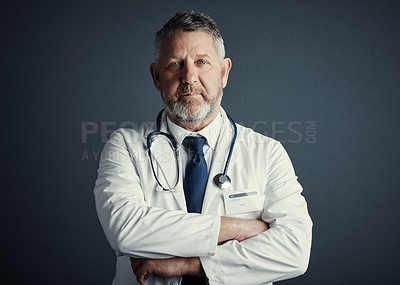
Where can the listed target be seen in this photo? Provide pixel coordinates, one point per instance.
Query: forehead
(188, 43)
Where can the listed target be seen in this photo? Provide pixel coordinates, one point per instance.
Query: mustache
(185, 89)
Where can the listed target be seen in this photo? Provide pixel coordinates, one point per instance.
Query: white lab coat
(142, 222)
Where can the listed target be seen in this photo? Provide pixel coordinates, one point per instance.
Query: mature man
(248, 225)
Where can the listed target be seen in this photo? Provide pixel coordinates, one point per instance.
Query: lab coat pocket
(245, 203)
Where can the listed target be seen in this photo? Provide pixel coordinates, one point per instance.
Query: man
(255, 231)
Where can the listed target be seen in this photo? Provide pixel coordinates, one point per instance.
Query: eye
(202, 62)
(174, 65)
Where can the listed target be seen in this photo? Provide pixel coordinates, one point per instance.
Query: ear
(154, 75)
(226, 67)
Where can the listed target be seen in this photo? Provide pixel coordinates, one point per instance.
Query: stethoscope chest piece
(222, 181)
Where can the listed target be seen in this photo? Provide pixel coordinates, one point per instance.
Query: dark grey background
(321, 76)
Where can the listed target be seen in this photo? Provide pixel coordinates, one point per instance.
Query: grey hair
(189, 22)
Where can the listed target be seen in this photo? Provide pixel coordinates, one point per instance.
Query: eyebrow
(205, 55)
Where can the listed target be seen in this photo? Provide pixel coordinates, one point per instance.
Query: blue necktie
(196, 174)
(194, 185)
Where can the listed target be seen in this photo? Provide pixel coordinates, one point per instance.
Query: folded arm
(281, 252)
(134, 228)
(231, 229)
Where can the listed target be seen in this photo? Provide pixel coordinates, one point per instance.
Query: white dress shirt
(210, 133)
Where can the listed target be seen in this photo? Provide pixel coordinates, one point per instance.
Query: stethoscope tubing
(173, 143)
(228, 160)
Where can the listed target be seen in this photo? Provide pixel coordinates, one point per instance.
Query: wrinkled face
(190, 77)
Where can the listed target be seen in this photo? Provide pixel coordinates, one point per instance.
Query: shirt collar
(210, 132)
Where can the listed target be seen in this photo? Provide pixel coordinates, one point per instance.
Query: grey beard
(190, 117)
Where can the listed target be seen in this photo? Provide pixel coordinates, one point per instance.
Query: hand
(176, 266)
(240, 229)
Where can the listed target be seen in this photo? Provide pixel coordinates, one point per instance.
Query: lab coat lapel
(178, 193)
(218, 164)
(235, 155)
(217, 167)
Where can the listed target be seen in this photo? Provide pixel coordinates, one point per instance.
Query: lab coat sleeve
(281, 252)
(137, 229)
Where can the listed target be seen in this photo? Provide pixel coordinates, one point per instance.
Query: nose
(189, 74)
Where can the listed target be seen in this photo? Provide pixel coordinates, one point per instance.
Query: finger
(135, 264)
(140, 279)
(141, 274)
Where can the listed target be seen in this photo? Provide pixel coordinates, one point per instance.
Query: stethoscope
(221, 180)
